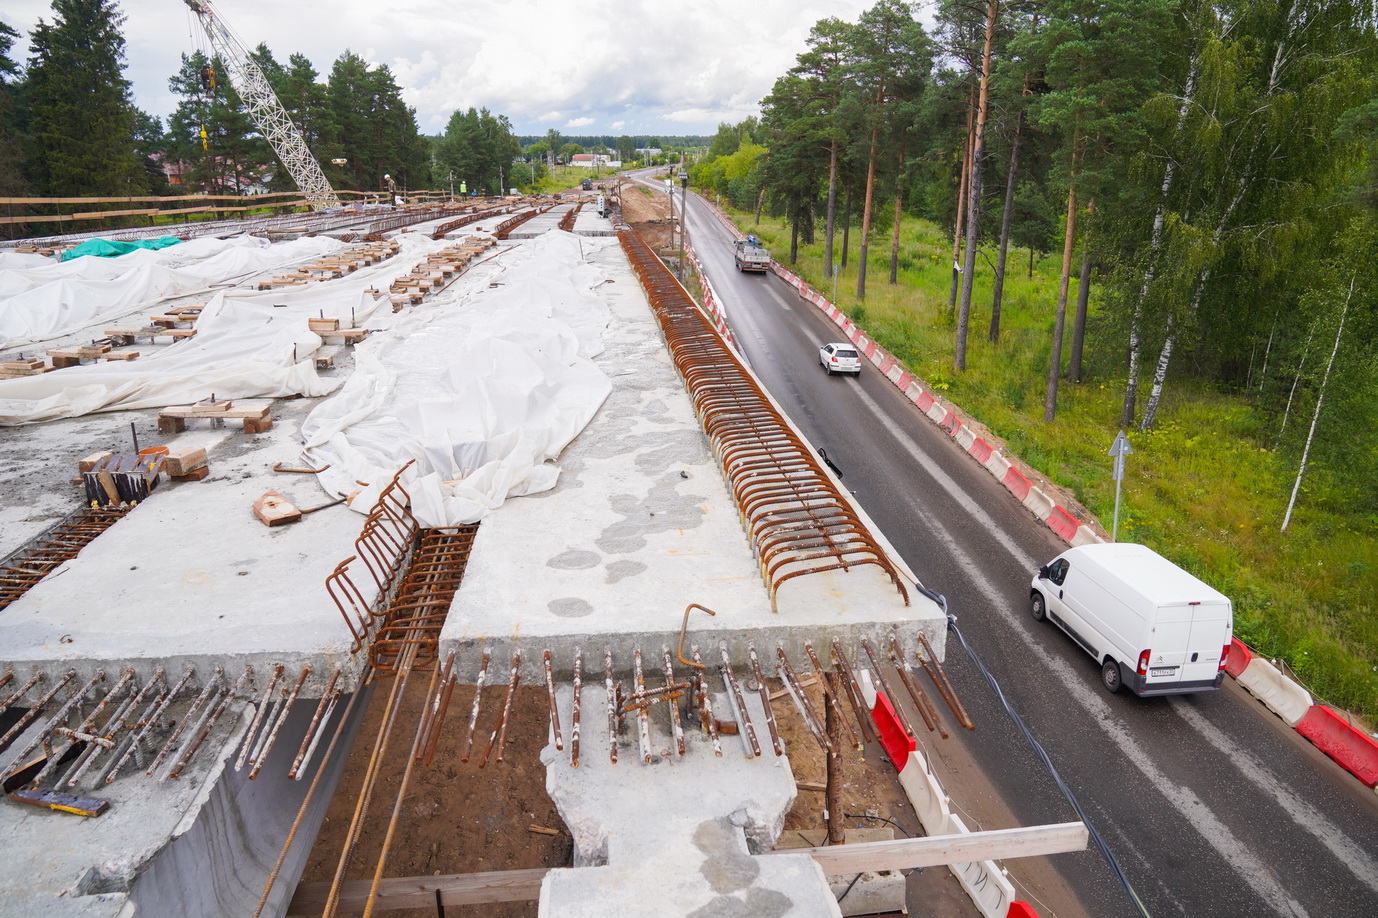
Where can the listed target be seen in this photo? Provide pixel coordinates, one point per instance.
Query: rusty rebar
(574, 711)
(738, 703)
(916, 692)
(801, 701)
(499, 736)
(280, 717)
(612, 704)
(473, 712)
(939, 676)
(676, 728)
(643, 720)
(112, 728)
(684, 629)
(763, 690)
(208, 724)
(554, 707)
(889, 692)
(441, 707)
(324, 708)
(36, 708)
(854, 695)
(212, 685)
(20, 760)
(831, 696)
(5, 705)
(706, 718)
(149, 722)
(252, 732)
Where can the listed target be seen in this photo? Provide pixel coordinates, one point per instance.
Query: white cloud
(605, 65)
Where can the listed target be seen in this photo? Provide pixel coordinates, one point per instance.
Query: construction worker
(392, 189)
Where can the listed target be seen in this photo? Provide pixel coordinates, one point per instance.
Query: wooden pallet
(257, 416)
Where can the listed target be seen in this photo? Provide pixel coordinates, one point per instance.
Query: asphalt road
(1210, 804)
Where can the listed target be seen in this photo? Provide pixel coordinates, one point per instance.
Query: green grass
(1201, 488)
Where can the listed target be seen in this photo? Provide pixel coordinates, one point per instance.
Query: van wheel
(1037, 607)
(1110, 676)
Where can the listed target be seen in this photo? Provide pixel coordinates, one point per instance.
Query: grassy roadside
(1203, 488)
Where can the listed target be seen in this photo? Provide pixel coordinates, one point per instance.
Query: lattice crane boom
(264, 108)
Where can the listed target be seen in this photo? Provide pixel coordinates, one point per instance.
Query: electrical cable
(1048, 764)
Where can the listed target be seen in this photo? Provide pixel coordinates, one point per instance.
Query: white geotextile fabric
(248, 344)
(59, 298)
(483, 389)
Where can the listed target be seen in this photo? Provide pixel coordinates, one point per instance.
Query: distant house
(649, 151)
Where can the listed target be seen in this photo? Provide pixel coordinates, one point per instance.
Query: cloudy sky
(586, 67)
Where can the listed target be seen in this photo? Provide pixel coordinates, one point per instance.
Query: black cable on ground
(1048, 764)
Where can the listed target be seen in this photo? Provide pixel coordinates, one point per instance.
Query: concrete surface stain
(727, 867)
(570, 607)
(620, 570)
(759, 903)
(663, 509)
(574, 560)
(684, 447)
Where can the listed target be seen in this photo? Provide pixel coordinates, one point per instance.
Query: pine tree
(81, 133)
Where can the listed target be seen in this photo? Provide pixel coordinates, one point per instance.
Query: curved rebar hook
(684, 629)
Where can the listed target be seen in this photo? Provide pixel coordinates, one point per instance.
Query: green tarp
(105, 248)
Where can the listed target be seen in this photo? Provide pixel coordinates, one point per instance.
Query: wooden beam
(935, 850)
(523, 885)
(419, 892)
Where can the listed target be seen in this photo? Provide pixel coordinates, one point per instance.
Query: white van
(1150, 624)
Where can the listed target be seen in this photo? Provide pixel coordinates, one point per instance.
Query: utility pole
(452, 186)
(683, 213)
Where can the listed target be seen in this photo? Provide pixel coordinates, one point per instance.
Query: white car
(840, 358)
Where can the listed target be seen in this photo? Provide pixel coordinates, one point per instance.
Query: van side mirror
(1043, 572)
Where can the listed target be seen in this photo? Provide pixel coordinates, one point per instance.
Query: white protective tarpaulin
(248, 344)
(483, 389)
(50, 300)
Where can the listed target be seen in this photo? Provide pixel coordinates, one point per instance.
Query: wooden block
(121, 355)
(194, 474)
(273, 509)
(62, 361)
(257, 426)
(325, 357)
(168, 424)
(90, 462)
(27, 363)
(183, 461)
(178, 332)
(320, 326)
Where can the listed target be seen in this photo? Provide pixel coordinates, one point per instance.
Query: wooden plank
(936, 850)
(66, 803)
(523, 885)
(419, 892)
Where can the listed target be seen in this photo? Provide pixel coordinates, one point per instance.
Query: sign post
(1118, 450)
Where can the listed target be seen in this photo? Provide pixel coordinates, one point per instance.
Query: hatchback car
(840, 358)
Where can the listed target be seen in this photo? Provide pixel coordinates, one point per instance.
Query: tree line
(1208, 168)
(69, 126)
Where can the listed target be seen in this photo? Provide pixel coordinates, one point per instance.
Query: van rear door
(1186, 642)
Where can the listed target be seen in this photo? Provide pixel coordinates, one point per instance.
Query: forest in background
(1195, 187)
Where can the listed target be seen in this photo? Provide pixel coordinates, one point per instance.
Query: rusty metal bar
(61, 543)
(19, 761)
(854, 695)
(5, 705)
(764, 691)
(574, 714)
(499, 737)
(260, 754)
(705, 702)
(209, 723)
(831, 695)
(643, 720)
(684, 629)
(447, 686)
(554, 708)
(676, 728)
(36, 708)
(84, 732)
(916, 692)
(258, 718)
(149, 722)
(738, 703)
(801, 701)
(612, 704)
(939, 676)
(212, 685)
(889, 692)
(113, 727)
(473, 713)
(319, 720)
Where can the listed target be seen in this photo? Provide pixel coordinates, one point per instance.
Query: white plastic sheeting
(248, 344)
(483, 390)
(50, 300)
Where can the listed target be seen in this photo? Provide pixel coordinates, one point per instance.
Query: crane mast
(264, 108)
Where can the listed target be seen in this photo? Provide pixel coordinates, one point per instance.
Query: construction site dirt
(459, 818)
